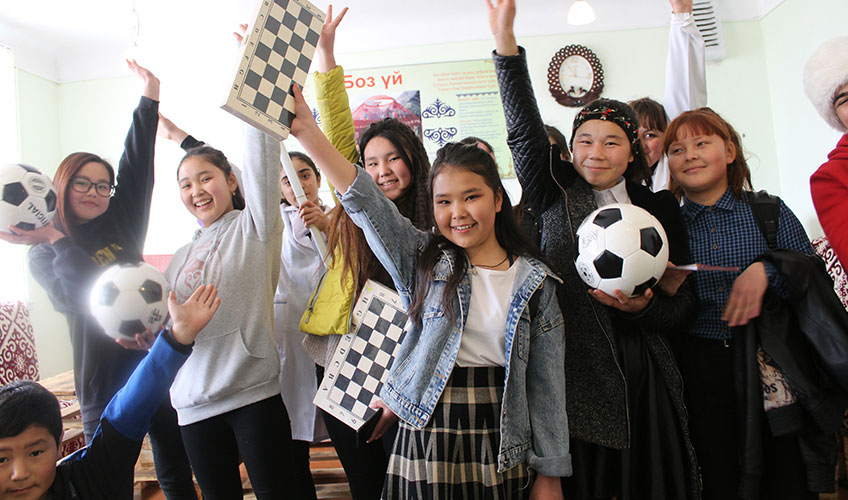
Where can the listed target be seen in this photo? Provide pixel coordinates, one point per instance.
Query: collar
(618, 193)
(726, 202)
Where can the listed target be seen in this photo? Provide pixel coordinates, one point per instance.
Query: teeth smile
(388, 183)
(463, 228)
(202, 203)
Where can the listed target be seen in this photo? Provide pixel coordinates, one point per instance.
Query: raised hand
(623, 302)
(240, 34)
(303, 120)
(167, 130)
(194, 314)
(327, 41)
(746, 297)
(44, 234)
(151, 83)
(501, 22)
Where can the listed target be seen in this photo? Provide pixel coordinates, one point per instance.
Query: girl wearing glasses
(100, 222)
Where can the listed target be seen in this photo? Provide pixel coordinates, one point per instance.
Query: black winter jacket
(807, 336)
(596, 391)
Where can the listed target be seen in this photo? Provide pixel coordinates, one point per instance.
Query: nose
(20, 470)
(597, 150)
(383, 168)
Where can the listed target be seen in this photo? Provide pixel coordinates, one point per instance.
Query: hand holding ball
(27, 200)
(130, 298)
(621, 247)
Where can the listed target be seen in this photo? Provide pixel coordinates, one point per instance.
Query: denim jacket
(534, 428)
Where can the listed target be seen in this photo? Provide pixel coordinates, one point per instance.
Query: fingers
(341, 16)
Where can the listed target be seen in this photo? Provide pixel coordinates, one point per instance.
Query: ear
(498, 200)
(232, 182)
(730, 153)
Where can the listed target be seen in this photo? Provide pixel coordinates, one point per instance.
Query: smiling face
(27, 464)
(698, 162)
(652, 144)
(386, 166)
(89, 205)
(464, 207)
(601, 153)
(840, 105)
(205, 190)
(308, 181)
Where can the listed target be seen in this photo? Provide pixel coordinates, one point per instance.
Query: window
(13, 285)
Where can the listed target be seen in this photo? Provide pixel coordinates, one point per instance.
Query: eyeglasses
(83, 185)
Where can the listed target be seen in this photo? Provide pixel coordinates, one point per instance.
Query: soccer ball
(129, 298)
(621, 247)
(28, 199)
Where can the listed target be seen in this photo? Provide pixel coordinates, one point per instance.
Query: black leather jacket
(807, 336)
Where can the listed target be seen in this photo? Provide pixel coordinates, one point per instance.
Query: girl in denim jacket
(477, 419)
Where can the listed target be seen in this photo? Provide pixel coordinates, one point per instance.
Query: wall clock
(575, 76)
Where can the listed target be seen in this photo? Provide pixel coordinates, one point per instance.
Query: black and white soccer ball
(621, 247)
(28, 198)
(130, 298)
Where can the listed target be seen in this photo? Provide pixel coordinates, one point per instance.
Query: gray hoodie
(235, 361)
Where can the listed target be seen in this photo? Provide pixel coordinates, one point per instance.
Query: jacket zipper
(594, 310)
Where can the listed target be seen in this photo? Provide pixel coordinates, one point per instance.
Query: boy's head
(826, 82)
(30, 433)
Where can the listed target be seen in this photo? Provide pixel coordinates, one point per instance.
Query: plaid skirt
(456, 455)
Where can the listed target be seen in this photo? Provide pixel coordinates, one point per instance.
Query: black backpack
(766, 210)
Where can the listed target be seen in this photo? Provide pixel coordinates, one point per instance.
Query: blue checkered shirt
(726, 234)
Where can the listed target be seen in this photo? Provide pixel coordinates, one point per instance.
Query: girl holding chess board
(453, 367)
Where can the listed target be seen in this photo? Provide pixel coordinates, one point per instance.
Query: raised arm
(526, 136)
(392, 237)
(330, 93)
(134, 188)
(685, 72)
(261, 175)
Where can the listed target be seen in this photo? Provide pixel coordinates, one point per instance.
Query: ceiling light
(580, 13)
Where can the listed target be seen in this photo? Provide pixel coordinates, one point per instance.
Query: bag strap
(766, 210)
(534, 301)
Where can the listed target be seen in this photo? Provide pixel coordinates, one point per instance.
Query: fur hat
(824, 74)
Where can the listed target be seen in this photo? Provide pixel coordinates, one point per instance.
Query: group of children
(514, 380)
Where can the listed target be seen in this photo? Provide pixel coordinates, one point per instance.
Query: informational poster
(441, 102)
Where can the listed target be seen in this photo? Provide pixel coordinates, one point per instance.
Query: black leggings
(169, 455)
(261, 434)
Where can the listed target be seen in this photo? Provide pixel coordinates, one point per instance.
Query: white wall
(757, 88)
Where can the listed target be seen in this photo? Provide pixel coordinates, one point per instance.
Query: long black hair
(510, 237)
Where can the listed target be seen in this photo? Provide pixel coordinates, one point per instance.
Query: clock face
(576, 76)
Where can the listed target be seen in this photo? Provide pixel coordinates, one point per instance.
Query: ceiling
(74, 40)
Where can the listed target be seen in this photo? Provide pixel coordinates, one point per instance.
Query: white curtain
(13, 284)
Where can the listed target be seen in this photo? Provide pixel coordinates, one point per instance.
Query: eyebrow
(388, 153)
(37, 442)
(608, 136)
(181, 179)
(839, 96)
(467, 191)
(100, 181)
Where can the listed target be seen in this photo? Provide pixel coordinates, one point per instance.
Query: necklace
(491, 266)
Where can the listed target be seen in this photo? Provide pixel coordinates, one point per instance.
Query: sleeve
(191, 142)
(261, 186)
(549, 455)
(526, 137)
(105, 468)
(334, 109)
(66, 272)
(829, 187)
(685, 71)
(670, 313)
(134, 187)
(792, 236)
(394, 240)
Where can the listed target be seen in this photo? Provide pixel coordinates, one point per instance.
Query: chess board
(360, 365)
(277, 52)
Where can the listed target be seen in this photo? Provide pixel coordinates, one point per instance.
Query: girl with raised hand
(685, 89)
(396, 158)
(485, 339)
(706, 161)
(227, 395)
(102, 220)
(626, 413)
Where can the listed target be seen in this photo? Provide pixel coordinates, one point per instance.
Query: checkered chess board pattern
(361, 363)
(277, 53)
